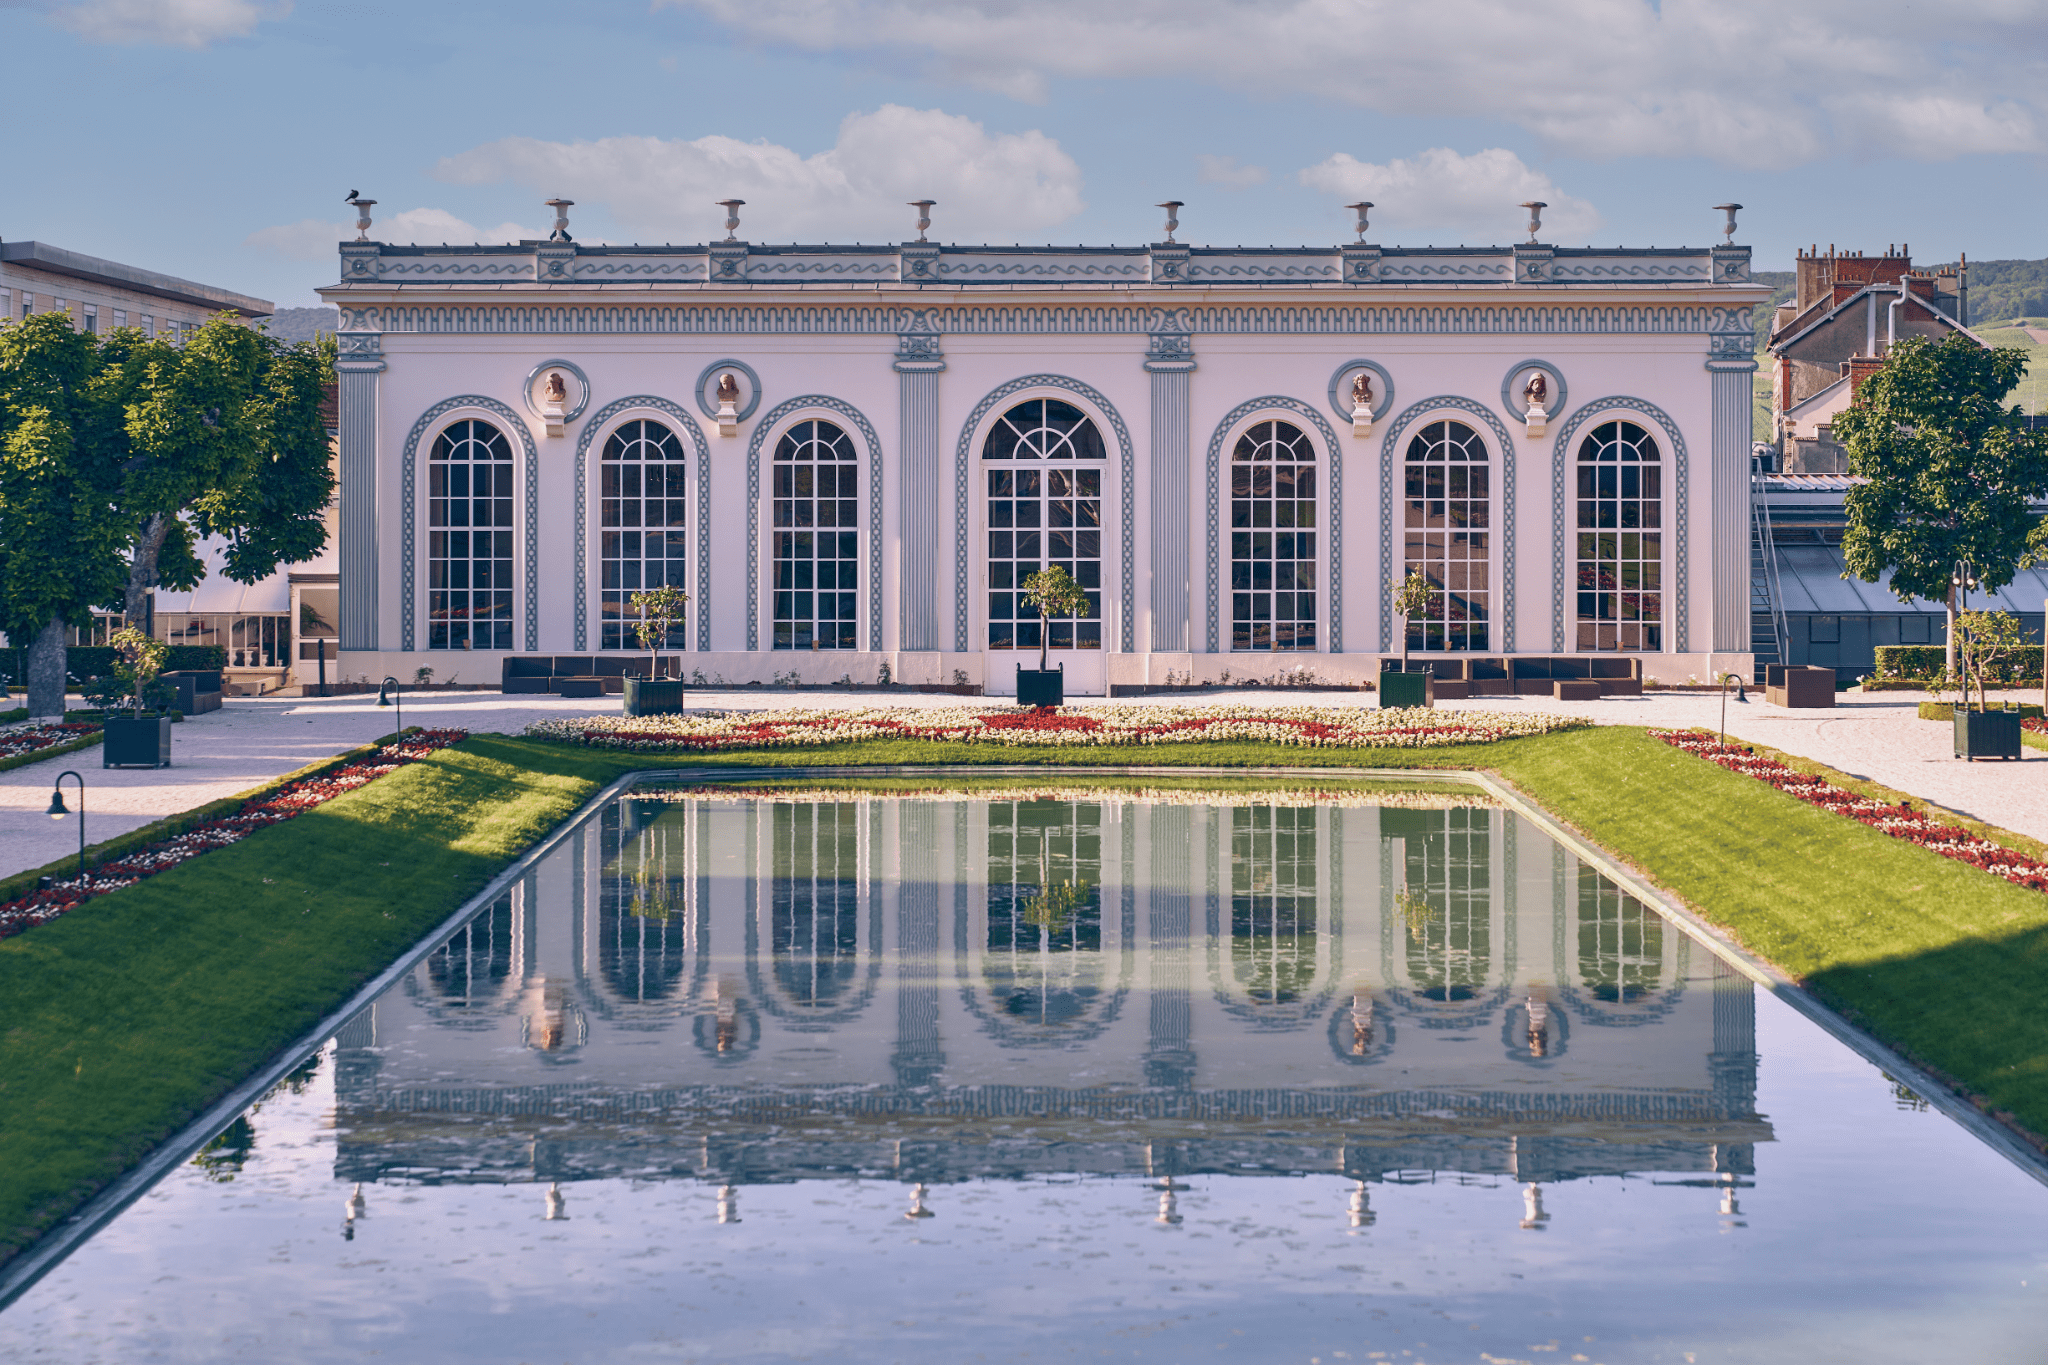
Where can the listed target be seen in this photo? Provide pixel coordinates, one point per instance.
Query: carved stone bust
(1361, 390)
(728, 388)
(557, 391)
(1537, 390)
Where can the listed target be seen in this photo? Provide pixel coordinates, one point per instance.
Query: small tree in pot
(137, 739)
(661, 611)
(1052, 592)
(1982, 640)
(1409, 598)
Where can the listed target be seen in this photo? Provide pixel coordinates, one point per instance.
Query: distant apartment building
(101, 295)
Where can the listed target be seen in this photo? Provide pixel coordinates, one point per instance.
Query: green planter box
(1404, 689)
(1042, 687)
(654, 696)
(1987, 734)
(131, 743)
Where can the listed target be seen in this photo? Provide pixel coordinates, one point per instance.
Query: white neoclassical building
(531, 433)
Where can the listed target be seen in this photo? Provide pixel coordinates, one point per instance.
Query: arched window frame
(760, 561)
(601, 437)
(1499, 597)
(970, 620)
(1669, 532)
(1112, 592)
(1326, 557)
(785, 575)
(413, 512)
(436, 547)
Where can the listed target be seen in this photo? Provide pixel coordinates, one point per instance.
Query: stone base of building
(1096, 675)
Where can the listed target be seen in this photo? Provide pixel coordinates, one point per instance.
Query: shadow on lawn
(1966, 1009)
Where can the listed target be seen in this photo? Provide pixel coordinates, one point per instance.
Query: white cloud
(1471, 198)
(314, 239)
(1001, 185)
(169, 23)
(1225, 171)
(1743, 82)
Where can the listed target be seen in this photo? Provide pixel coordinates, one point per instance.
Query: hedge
(1928, 661)
(85, 662)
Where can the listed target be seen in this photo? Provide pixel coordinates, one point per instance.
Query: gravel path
(250, 740)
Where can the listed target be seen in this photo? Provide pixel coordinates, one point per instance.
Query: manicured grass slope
(128, 1016)
(1941, 960)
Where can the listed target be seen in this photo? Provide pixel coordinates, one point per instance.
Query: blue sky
(215, 139)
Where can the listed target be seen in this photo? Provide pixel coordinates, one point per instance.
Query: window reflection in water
(1273, 902)
(1043, 964)
(645, 905)
(814, 903)
(1446, 868)
(1621, 942)
(469, 971)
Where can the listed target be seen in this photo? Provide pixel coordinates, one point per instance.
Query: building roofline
(1885, 290)
(58, 261)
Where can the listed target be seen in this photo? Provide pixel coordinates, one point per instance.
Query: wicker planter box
(132, 743)
(654, 696)
(1987, 734)
(1042, 687)
(1404, 689)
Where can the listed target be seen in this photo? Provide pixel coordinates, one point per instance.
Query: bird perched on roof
(351, 198)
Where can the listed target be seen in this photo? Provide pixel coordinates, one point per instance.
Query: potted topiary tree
(1982, 639)
(661, 611)
(1410, 597)
(142, 738)
(1053, 592)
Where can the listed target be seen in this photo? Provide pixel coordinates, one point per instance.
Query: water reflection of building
(743, 990)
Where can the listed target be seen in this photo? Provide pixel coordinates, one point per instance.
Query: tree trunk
(46, 671)
(1404, 644)
(1044, 638)
(142, 572)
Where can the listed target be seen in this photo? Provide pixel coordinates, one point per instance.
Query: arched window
(817, 543)
(1621, 545)
(1273, 539)
(1044, 508)
(1448, 516)
(643, 521)
(469, 539)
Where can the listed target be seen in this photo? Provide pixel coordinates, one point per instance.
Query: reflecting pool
(1023, 1071)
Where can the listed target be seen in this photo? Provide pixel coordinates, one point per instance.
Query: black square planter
(131, 743)
(654, 696)
(1042, 687)
(1987, 734)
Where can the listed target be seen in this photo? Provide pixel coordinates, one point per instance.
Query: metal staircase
(1766, 599)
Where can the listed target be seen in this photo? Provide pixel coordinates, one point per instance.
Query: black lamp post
(58, 810)
(386, 694)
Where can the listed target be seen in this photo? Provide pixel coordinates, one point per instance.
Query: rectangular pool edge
(36, 1260)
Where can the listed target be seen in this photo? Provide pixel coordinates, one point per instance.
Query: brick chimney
(1861, 367)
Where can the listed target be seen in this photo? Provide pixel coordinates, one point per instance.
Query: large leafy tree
(61, 535)
(221, 436)
(1949, 472)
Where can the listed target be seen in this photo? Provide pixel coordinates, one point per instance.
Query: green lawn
(128, 1016)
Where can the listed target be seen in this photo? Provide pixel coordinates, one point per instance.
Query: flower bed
(30, 739)
(296, 798)
(1900, 821)
(1081, 727)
